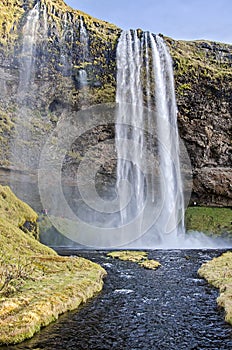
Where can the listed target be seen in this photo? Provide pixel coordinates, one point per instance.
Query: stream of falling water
(66, 40)
(28, 51)
(145, 78)
(84, 39)
(21, 150)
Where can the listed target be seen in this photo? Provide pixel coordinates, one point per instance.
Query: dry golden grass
(36, 285)
(218, 272)
(135, 256)
(56, 285)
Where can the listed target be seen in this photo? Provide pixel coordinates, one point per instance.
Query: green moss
(10, 13)
(215, 221)
(6, 127)
(137, 257)
(57, 284)
(43, 285)
(13, 209)
(218, 272)
(128, 255)
(199, 66)
(181, 90)
(150, 264)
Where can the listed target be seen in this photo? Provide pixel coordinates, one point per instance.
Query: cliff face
(203, 77)
(59, 56)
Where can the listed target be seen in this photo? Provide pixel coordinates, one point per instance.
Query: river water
(169, 308)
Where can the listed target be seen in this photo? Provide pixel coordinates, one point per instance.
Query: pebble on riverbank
(218, 272)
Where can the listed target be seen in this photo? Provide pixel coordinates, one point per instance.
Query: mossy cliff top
(203, 57)
(36, 285)
(12, 14)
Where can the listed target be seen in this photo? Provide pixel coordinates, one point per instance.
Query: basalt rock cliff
(203, 79)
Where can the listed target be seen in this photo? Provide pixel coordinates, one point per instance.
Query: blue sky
(179, 19)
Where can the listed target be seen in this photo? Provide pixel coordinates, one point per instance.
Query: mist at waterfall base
(145, 207)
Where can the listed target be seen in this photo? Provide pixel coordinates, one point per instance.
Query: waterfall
(172, 190)
(129, 89)
(28, 50)
(83, 78)
(66, 44)
(84, 46)
(145, 82)
(21, 147)
(45, 21)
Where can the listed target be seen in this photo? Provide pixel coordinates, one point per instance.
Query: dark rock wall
(203, 77)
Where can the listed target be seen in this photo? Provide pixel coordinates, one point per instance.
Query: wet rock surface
(170, 308)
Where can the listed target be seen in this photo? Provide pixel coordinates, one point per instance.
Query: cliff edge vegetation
(36, 285)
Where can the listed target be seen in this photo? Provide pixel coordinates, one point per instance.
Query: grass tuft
(218, 272)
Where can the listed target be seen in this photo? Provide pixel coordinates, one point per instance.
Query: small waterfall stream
(145, 79)
(172, 188)
(28, 50)
(66, 43)
(22, 153)
(129, 89)
(84, 44)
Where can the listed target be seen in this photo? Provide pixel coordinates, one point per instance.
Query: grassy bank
(36, 285)
(218, 272)
(212, 221)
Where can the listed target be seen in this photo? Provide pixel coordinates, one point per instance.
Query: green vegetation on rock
(36, 285)
(214, 221)
(16, 212)
(10, 13)
(200, 58)
(218, 272)
(135, 256)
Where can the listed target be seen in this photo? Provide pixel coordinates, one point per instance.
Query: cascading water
(45, 20)
(66, 43)
(145, 78)
(166, 108)
(28, 50)
(129, 89)
(22, 156)
(20, 148)
(84, 45)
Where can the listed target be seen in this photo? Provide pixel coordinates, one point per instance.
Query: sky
(179, 19)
